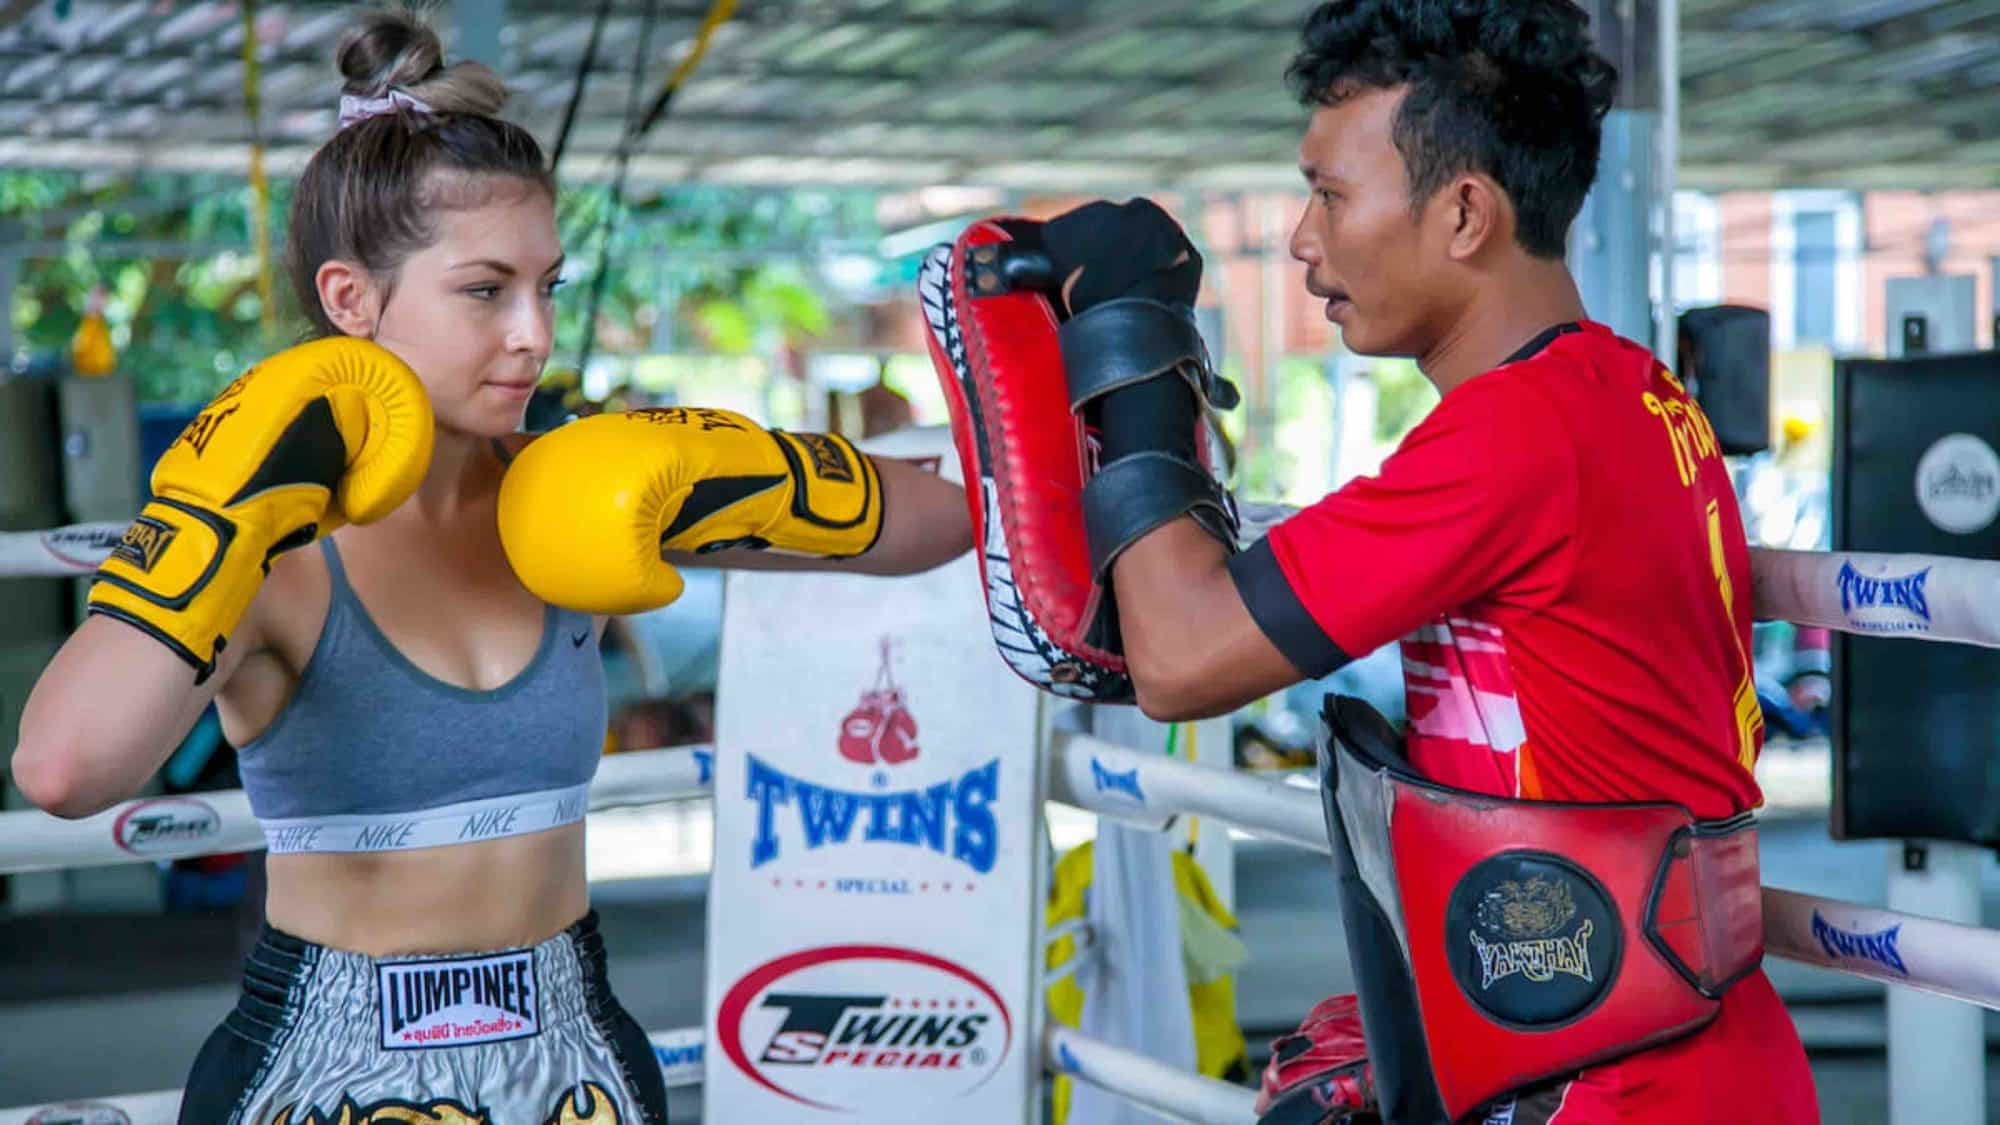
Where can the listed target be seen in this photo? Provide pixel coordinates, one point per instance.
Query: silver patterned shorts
(516, 1037)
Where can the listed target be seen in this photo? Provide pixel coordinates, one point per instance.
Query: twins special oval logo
(830, 1027)
(165, 824)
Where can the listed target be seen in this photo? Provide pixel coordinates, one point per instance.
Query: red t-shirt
(1558, 547)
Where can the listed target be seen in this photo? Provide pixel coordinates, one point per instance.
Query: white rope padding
(1927, 954)
(1122, 783)
(678, 1051)
(1848, 591)
(1115, 781)
(59, 552)
(1962, 962)
(1143, 1081)
(176, 827)
(1924, 597)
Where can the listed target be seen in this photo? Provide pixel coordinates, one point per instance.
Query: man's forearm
(1192, 647)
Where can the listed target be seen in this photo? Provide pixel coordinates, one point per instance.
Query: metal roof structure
(1024, 94)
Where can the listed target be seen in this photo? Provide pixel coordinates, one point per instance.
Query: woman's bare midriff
(464, 898)
(461, 898)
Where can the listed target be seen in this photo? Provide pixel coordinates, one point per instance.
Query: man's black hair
(1511, 88)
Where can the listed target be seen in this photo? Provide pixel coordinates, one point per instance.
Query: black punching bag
(1725, 361)
(1916, 723)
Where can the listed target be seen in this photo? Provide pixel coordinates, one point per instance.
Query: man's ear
(349, 298)
(1478, 215)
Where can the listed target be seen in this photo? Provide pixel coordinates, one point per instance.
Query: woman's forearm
(924, 524)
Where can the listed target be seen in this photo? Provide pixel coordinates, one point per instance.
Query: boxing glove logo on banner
(880, 729)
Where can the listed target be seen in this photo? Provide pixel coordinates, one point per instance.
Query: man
(1557, 545)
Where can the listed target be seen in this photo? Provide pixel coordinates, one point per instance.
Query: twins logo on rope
(1025, 646)
(1879, 947)
(165, 824)
(952, 817)
(1124, 783)
(1886, 604)
(1534, 939)
(585, 1104)
(838, 1027)
(85, 546)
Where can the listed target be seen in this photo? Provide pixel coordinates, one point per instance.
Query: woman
(417, 728)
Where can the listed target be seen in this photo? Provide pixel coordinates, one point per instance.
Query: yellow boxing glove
(331, 432)
(588, 510)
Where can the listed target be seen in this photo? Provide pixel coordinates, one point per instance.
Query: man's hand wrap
(1318, 1075)
(1040, 400)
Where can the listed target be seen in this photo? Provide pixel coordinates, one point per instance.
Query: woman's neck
(464, 470)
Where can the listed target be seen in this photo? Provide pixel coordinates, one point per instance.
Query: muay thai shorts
(516, 1037)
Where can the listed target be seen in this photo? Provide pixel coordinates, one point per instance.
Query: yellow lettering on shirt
(1693, 441)
(1749, 714)
(1688, 431)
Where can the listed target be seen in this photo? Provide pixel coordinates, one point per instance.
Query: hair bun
(396, 49)
(387, 48)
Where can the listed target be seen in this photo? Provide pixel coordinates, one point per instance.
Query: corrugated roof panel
(1140, 52)
(32, 74)
(1774, 89)
(1931, 58)
(827, 45)
(880, 49)
(985, 58)
(104, 23)
(1805, 60)
(1857, 14)
(1005, 101)
(1838, 14)
(1835, 144)
(1709, 52)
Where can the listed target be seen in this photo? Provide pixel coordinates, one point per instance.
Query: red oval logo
(165, 825)
(830, 1027)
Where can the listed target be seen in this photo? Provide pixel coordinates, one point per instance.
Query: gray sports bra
(374, 754)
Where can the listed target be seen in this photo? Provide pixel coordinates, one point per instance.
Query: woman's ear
(348, 297)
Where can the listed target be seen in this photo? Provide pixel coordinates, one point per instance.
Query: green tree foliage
(173, 256)
(733, 269)
(1405, 397)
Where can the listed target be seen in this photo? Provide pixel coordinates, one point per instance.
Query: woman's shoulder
(293, 600)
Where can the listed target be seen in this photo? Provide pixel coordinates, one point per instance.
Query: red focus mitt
(1025, 423)
(1319, 1075)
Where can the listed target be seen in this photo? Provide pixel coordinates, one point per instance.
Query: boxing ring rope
(1962, 962)
(1141, 1080)
(218, 822)
(57, 552)
(1957, 600)
(1917, 596)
